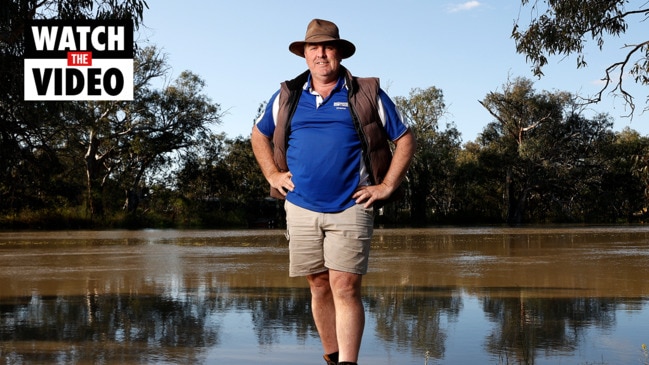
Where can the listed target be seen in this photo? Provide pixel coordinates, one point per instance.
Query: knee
(319, 284)
(347, 286)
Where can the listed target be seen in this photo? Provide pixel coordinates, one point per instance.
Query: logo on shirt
(341, 105)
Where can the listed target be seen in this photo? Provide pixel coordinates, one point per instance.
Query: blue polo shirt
(324, 152)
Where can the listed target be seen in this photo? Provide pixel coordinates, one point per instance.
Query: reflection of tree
(107, 328)
(180, 327)
(280, 309)
(409, 317)
(140, 328)
(548, 324)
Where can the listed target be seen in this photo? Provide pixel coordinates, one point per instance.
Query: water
(575, 295)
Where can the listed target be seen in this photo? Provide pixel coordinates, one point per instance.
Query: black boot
(347, 363)
(331, 359)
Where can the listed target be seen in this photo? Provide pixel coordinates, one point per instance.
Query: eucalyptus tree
(479, 187)
(220, 179)
(105, 126)
(160, 124)
(36, 137)
(626, 181)
(518, 110)
(570, 168)
(430, 177)
(549, 153)
(565, 27)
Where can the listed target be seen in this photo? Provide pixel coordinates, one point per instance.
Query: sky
(240, 49)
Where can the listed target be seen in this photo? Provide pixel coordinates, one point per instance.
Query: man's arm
(404, 150)
(263, 150)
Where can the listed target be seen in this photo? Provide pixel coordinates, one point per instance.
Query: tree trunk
(94, 186)
(135, 192)
(515, 202)
(418, 206)
(132, 201)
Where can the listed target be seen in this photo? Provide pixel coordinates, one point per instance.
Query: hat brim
(345, 47)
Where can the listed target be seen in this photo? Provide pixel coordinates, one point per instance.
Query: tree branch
(621, 65)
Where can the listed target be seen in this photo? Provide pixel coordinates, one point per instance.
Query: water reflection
(574, 296)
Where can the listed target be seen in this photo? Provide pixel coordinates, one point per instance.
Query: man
(322, 144)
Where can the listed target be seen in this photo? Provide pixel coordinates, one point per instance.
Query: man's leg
(346, 252)
(338, 312)
(350, 314)
(324, 310)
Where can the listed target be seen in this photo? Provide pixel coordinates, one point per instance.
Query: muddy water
(433, 296)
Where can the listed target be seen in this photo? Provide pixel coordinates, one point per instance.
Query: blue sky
(240, 48)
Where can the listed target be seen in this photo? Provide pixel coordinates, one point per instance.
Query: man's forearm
(403, 153)
(263, 151)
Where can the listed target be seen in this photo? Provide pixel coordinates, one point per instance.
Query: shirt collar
(342, 82)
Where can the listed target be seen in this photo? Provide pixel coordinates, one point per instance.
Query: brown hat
(320, 31)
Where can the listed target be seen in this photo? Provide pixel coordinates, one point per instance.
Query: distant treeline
(159, 160)
(132, 165)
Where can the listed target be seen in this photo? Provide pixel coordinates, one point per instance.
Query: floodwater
(556, 295)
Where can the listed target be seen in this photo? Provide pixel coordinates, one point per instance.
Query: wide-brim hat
(321, 31)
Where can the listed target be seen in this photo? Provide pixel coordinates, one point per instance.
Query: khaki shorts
(322, 241)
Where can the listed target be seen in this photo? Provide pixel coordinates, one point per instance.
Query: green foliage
(564, 28)
(429, 178)
(540, 160)
(557, 165)
(222, 176)
(157, 161)
(40, 141)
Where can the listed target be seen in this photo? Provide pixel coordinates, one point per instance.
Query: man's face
(322, 59)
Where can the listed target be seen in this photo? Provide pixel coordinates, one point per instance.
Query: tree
(570, 171)
(163, 122)
(556, 164)
(518, 111)
(430, 174)
(37, 139)
(623, 195)
(118, 144)
(127, 142)
(564, 27)
(221, 174)
(479, 187)
(106, 122)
